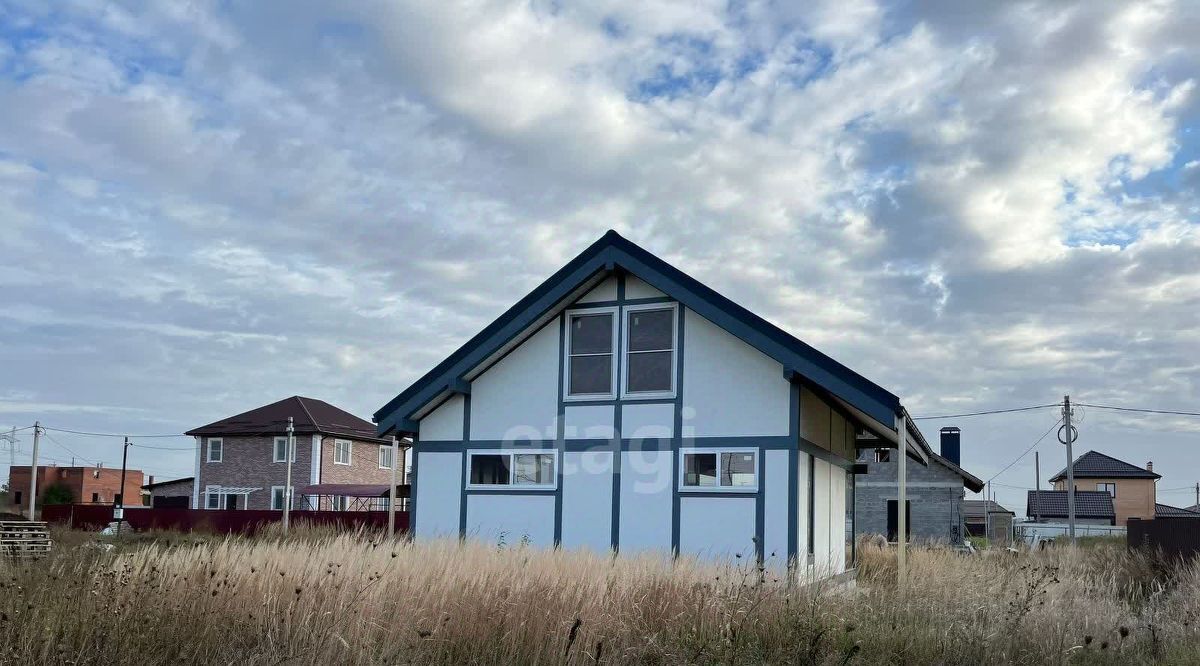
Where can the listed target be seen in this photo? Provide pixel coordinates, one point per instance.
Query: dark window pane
(649, 371)
(591, 334)
(700, 469)
(737, 469)
(650, 329)
(591, 374)
(489, 470)
(533, 468)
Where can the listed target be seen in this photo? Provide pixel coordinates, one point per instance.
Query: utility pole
(392, 490)
(987, 514)
(1037, 486)
(1067, 436)
(33, 468)
(902, 502)
(119, 507)
(287, 485)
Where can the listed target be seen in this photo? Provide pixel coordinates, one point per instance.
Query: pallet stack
(24, 539)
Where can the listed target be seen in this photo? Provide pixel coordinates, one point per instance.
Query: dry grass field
(321, 598)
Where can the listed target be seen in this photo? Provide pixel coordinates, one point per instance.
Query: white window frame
(615, 313)
(285, 498)
(718, 450)
(386, 448)
(349, 451)
(510, 486)
(275, 450)
(213, 491)
(649, 395)
(1104, 487)
(208, 456)
(336, 500)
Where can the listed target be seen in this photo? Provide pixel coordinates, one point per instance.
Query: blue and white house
(624, 405)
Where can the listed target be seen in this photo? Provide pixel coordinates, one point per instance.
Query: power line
(993, 411)
(108, 434)
(66, 448)
(165, 448)
(1143, 411)
(1034, 446)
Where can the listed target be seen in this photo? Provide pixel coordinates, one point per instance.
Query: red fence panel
(83, 516)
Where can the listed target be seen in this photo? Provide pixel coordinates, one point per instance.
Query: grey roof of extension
(1053, 503)
(1094, 465)
(974, 508)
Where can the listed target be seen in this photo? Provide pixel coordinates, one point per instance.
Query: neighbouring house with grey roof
(988, 519)
(1092, 507)
(1132, 488)
(935, 494)
(1168, 511)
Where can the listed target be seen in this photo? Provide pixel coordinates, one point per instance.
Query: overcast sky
(208, 206)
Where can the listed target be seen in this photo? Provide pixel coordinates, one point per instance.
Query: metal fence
(1033, 532)
(1170, 537)
(92, 516)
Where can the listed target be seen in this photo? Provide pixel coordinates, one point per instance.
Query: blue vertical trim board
(793, 514)
(812, 509)
(677, 434)
(559, 437)
(760, 506)
(616, 492)
(466, 460)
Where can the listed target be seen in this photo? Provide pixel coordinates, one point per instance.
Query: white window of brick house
(341, 503)
(341, 451)
(212, 499)
(277, 497)
(281, 445)
(216, 449)
(385, 457)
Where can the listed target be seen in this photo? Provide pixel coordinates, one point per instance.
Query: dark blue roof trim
(608, 253)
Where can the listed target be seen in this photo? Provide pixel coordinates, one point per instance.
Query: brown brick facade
(248, 461)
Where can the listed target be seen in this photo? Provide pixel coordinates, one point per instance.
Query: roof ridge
(307, 413)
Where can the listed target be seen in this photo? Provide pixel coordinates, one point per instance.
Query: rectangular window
(277, 499)
(341, 451)
(216, 449)
(883, 455)
(95, 498)
(893, 520)
(341, 503)
(281, 446)
(534, 470)
(212, 499)
(719, 469)
(17, 498)
(649, 351)
(385, 457)
(1110, 488)
(591, 345)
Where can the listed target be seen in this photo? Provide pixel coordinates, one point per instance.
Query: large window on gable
(649, 351)
(719, 469)
(591, 346)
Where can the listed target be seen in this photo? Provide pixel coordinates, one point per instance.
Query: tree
(57, 493)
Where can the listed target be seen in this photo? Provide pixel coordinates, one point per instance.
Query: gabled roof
(974, 483)
(1053, 504)
(975, 508)
(1094, 465)
(1167, 511)
(308, 415)
(610, 253)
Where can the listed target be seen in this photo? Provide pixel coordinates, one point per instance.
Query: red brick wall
(105, 482)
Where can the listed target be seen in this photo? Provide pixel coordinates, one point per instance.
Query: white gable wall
(605, 291)
(646, 500)
(636, 288)
(730, 389)
(717, 527)
(444, 424)
(517, 398)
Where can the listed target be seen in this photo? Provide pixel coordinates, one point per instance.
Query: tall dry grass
(353, 599)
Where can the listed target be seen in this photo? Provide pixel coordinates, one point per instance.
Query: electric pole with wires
(1067, 434)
